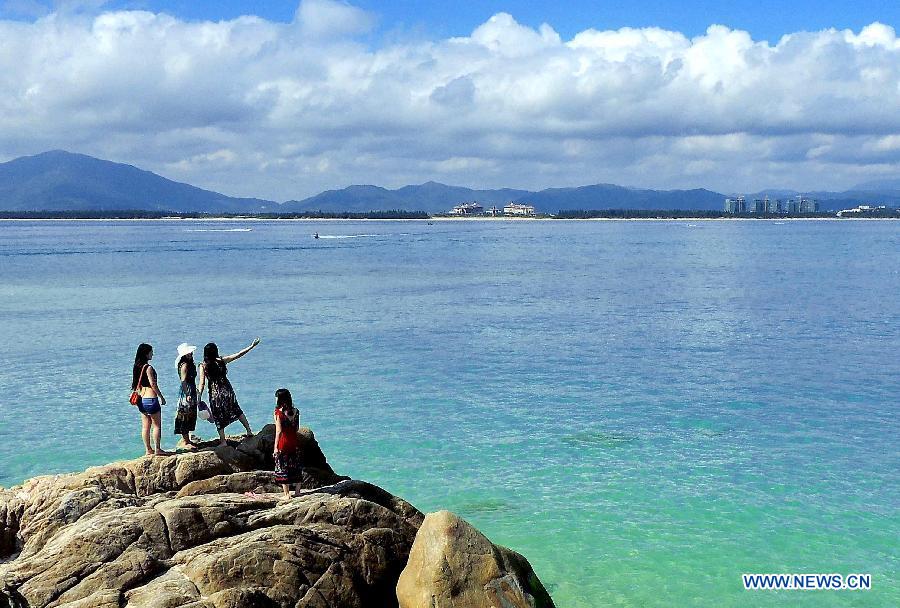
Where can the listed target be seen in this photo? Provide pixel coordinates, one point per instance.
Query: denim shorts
(149, 405)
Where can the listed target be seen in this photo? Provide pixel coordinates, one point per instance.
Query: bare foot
(150, 453)
(164, 453)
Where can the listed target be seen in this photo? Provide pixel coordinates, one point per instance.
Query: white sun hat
(184, 349)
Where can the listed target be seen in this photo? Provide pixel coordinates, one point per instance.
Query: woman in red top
(288, 469)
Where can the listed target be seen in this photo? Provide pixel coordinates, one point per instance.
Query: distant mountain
(880, 185)
(430, 197)
(433, 197)
(59, 180)
(772, 193)
(609, 196)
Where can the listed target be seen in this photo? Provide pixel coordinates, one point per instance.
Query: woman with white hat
(186, 418)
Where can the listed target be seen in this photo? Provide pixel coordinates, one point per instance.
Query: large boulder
(207, 529)
(453, 565)
(211, 529)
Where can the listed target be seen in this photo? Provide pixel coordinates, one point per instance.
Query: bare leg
(296, 489)
(145, 432)
(187, 440)
(287, 490)
(246, 424)
(221, 436)
(157, 434)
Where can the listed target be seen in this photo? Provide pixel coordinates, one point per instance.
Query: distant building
(494, 211)
(735, 205)
(760, 205)
(801, 204)
(518, 209)
(865, 210)
(472, 208)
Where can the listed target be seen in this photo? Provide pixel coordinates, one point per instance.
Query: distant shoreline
(437, 219)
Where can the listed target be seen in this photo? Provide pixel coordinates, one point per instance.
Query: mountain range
(62, 181)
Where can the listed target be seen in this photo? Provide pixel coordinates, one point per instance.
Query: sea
(646, 410)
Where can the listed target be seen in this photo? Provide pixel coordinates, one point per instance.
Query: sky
(281, 100)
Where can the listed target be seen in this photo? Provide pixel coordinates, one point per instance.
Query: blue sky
(320, 94)
(764, 19)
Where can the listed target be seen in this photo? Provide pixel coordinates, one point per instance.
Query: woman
(288, 469)
(186, 418)
(143, 380)
(223, 402)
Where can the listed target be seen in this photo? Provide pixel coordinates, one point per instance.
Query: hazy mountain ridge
(61, 181)
(610, 196)
(430, 197)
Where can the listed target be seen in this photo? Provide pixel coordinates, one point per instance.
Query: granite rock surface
(211, 529)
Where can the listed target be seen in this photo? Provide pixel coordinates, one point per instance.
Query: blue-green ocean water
(646, 410)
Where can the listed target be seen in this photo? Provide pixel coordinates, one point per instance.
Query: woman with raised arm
(143, 380)
(223, 403)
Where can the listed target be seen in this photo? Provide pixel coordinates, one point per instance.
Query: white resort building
(517, 209)
(472, 208)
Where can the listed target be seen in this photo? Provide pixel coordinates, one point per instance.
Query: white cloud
(323, 18)
(257, 108)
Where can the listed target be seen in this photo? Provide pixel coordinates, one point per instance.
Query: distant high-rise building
(735, 205)
(801, 204)
(808, 205)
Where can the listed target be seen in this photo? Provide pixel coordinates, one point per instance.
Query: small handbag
(204, 412)
(136, 392)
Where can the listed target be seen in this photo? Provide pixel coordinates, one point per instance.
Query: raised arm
(239, 354)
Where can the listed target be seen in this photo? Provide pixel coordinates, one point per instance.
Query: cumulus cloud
(284, 110)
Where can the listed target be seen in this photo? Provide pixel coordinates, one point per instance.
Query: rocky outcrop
(453, 565)
(209, 529)
(203, 529)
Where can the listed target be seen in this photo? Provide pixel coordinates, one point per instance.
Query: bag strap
(141, 377)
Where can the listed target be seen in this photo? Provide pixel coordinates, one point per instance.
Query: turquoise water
(646, 410)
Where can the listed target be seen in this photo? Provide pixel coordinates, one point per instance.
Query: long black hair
(285, 403)
(215, 367)
(188, 360)
(141, 358)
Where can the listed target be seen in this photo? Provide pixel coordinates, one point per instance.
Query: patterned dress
(223, 403)
(186, 418)
(288, 464)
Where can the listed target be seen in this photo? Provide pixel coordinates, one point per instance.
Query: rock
(453, 565)
(210, 529)
(161, 532)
